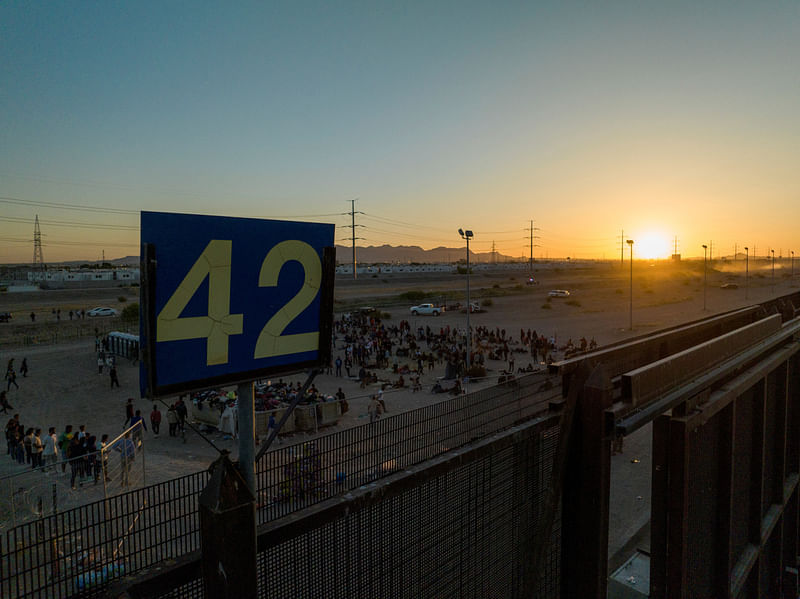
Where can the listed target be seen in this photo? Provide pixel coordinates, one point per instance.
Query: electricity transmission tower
(533, 244)
(38, 257)
(353, 225)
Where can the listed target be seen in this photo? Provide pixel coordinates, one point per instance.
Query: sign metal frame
(152, 386)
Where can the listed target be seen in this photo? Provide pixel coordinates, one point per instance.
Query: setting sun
(651, 246)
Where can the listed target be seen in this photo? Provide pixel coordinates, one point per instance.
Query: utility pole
(735, 251)
(622, 248)
(353, 225)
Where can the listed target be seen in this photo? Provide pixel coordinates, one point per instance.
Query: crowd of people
(80, 449)
(76, 453)
(366, 344)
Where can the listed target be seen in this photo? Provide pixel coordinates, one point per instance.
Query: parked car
(102, 312)
(531, 281)
(558, 293)
(729, 286)
(426, 309)
(5, 316)
(473, 308)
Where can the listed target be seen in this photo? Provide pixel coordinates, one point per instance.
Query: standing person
(374, 409)
(92, 461)
(112, 372)
(11, 437)
(4, 402)
(155, 419)
(180, 409)
(11, 376)
(342, 401)
(75, 453)
(64, 440)
(172, 420)
(137, 418)
(339, 366)
(37, 449)
(50, 451)
(20, 443)
(27, 442)
(348, 363)
(137, 433)
(101, 359)
(128, 413)
(272, 426)
(24, 367)
(127, 453)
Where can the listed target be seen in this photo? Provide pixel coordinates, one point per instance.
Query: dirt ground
(64, 387)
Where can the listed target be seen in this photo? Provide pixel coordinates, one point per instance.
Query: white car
(102, 312)
(426, 309)
(558, 293)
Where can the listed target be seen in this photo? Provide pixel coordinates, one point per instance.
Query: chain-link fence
(127, 531)
(64, 483)
(62, 332)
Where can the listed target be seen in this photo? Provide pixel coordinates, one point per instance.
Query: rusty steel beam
(765, 515)
(659, 512)
(731, 390)
(585, 496)
(644, 384)
(629, 422)
(678, 510)
(628, 355)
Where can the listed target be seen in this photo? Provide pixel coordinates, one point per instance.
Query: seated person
(401, 382)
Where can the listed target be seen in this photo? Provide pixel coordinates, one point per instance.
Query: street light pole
(705, 274)
(746, 271)
(630, 243)
(773, 271)
(468, 235)
(792, 264)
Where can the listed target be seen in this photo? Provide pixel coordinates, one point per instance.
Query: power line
(16, 219)
(44, 204)
(53, 242)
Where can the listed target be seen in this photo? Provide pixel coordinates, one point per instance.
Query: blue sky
(663, 119)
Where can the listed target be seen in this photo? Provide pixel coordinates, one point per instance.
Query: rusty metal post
(228, 534)
(659, 523)
(585, 497)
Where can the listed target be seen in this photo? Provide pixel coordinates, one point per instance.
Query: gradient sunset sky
(660, 118)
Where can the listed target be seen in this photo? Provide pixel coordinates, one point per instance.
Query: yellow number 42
(214, 263)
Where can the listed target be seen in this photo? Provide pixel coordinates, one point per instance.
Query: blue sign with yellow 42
(227, 300)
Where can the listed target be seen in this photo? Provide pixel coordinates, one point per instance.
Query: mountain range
(383, 254)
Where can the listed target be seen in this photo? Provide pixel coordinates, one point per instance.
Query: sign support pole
(247, 430)
(288, 412)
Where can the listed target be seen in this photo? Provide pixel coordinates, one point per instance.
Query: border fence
(159, 522)
(465, 498)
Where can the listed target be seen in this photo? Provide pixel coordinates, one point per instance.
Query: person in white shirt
(50, 452)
